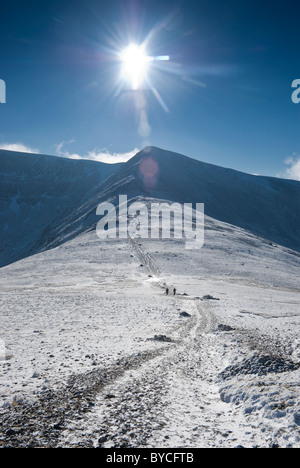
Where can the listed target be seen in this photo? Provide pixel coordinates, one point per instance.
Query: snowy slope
(93, 353)
(83, 367)
(36, 193)
(266, 206)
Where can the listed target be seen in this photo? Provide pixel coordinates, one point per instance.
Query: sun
(135, 64)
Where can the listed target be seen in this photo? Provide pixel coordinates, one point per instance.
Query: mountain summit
(266, 206)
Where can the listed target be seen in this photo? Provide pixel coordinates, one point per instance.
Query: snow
(50, 298)
(86, 321)
(89, 303)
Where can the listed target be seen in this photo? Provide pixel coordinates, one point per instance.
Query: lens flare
(135, 61)
(149, 171)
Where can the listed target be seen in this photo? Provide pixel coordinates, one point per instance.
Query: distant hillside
(37, 192)
(266, 206)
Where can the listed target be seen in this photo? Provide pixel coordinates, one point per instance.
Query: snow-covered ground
(98, 355)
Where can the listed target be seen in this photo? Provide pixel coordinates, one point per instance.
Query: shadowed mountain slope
(36, 193)
(46, 201)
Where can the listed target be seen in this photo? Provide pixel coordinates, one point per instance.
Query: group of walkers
(174, 291)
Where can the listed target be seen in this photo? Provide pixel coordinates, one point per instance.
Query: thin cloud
(18, 147)
(99, 155)
(293, 171)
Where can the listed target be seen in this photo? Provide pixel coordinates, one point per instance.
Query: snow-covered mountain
(36, 193)
(48, 200)
(266, 206)
(94, 353)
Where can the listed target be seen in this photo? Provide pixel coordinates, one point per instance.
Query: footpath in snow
(98, 356)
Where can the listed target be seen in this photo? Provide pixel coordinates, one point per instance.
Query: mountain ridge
(266, 206)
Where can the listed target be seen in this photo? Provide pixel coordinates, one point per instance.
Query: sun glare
(135, 61)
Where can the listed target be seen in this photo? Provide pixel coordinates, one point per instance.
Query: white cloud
(293, 171)
(99, 155)
(19, 147)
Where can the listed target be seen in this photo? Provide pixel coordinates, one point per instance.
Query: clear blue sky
(223, 97)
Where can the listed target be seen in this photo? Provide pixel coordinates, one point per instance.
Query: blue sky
(223, 97)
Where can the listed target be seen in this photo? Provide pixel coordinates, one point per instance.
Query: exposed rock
(162, 338)
(222, 327)
(260, 365)
(184, 314)
(210, 298)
